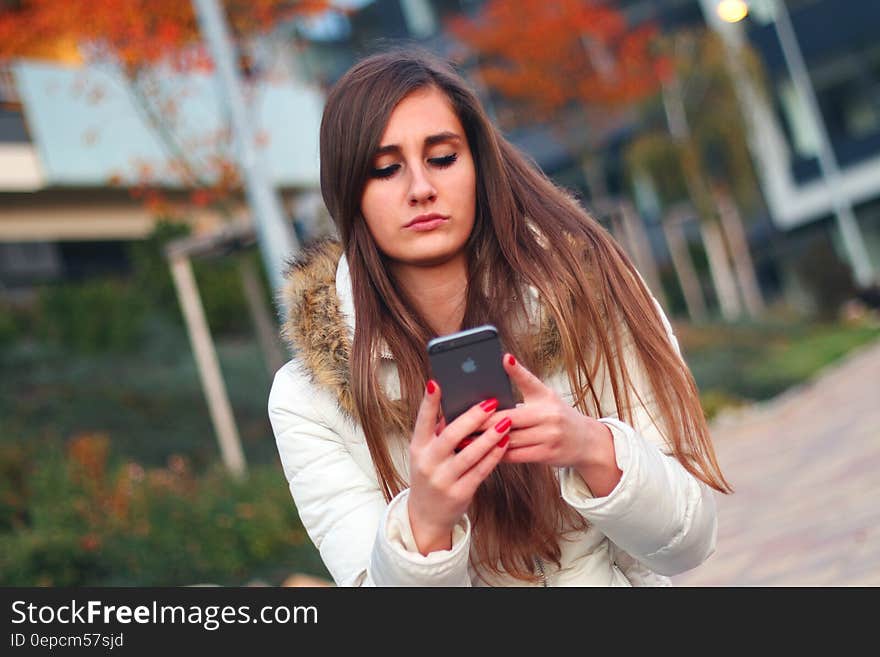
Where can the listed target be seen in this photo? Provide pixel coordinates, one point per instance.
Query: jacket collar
(346, 302)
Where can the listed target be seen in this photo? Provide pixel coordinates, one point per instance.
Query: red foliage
(134, 32)
(552, 53)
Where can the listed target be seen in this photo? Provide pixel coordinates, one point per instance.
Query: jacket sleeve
(362, 540)
(659, 514)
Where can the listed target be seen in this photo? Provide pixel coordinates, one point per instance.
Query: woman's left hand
(547, 430)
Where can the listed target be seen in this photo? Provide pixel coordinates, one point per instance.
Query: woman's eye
(445, 161)
(385, 172)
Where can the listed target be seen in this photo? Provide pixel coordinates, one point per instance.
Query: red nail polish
(430, 386)
(504, 425)
(489, 405)
(503, 442)
(511, 361)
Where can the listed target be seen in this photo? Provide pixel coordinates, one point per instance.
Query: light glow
(732, 11)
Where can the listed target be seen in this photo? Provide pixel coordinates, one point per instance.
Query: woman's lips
(426, 222)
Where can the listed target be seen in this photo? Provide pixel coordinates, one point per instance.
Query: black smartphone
(467, 365)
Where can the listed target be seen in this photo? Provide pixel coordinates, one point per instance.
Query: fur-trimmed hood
(317, 329)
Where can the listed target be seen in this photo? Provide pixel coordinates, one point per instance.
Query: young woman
(601, 475)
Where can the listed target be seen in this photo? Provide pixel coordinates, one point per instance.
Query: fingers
(464, 425)
(522, 417)
(528, 384)
(476, 450)
(490, 449)
(527, 454)
(426, 420)
(520, 438)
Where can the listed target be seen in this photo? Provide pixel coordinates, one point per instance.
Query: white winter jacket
(658, 521)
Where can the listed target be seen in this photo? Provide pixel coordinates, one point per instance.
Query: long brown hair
(528, 233)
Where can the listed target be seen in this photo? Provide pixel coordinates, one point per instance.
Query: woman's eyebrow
(430, 140)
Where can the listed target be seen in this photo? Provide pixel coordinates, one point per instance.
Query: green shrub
(92, 522)
(222, 294)
(218, 280)
(150, 272)
(738, 363)
(8, 329)
(714, 401)
(103, 314)
(116, 314)
(14, 487)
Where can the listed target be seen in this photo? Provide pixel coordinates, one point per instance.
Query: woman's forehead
(421, 114)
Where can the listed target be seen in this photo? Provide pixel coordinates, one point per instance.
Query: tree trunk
(692, 168)
(640, 248)
(719, 267)
(684, 269)
(594, 174)
(264, 326)
(743, 267)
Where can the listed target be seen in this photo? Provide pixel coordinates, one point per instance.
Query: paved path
(806, 469)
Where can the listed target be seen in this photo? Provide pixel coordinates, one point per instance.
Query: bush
(8, 329)
(115, 314)
(222, 294)
(739, 363)
(91, 523)
(218, 279)
(104, 314)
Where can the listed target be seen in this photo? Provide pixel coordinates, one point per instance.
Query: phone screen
(467, 365)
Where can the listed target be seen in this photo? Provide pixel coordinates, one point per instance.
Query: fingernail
(503, 442)
(511, 361)
(489, 405)
(430, 386)
(503, 426)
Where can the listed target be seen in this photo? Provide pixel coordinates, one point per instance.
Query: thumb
(529, 385)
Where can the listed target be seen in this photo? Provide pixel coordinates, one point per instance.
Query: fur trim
(315, 329)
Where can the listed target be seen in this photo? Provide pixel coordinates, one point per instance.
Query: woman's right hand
(443, 481)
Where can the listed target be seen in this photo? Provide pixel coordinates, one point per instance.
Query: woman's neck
(438, 292)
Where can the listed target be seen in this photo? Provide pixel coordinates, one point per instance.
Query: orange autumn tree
(144, 41)
(547, 57)
(550, 54)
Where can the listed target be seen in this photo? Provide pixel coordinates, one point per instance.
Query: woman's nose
(420, 187)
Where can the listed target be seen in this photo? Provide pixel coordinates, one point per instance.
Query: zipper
(539, 566)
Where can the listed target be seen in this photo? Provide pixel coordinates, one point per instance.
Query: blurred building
(841, 50)
(74, 145)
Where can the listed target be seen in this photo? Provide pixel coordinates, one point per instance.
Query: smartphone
(467, 365)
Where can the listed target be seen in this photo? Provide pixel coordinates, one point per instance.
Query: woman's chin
(429, 258)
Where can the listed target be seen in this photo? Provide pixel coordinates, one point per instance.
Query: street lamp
(732, 11)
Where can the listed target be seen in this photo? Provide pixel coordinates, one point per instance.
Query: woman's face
(420, 200)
